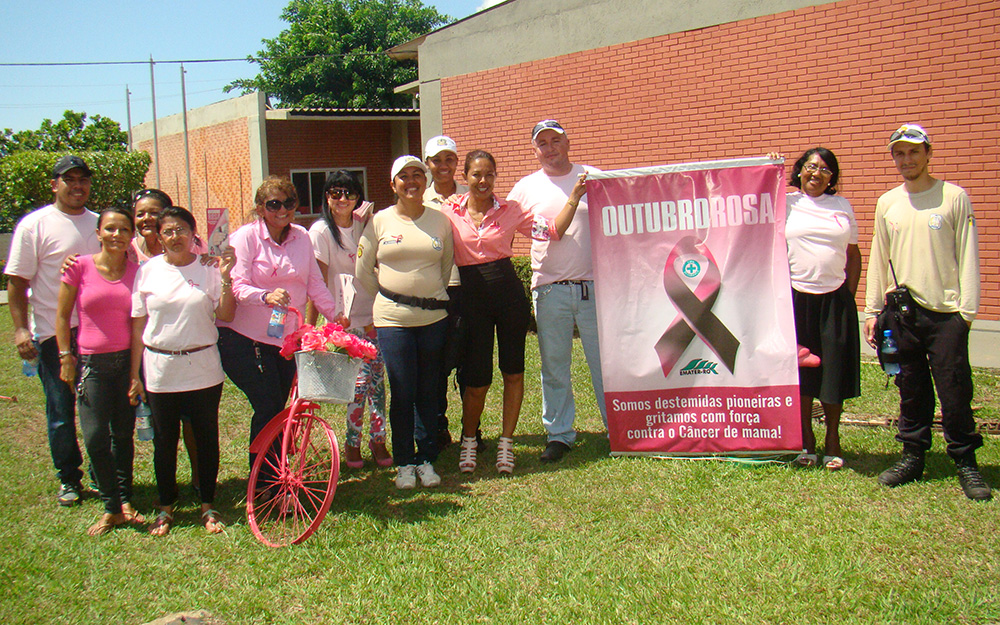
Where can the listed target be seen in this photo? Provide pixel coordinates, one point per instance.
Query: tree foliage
(355, 34)
(73, 133)
(25, 178)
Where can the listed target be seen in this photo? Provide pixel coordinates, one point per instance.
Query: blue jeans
(60, 413)
(557, 308)
(107, 421)
(413, 358)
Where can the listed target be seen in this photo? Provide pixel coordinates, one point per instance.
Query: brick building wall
(842, 75)
(333, 144)
(220, 169)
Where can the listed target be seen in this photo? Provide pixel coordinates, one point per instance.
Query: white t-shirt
(818, 231)
(180, 304)
(41, 242)
(345, 288)
(567, 258)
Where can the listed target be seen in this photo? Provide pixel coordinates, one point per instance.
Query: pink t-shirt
(494, 237)
(263, 265)
(105, 306)
(569, 257)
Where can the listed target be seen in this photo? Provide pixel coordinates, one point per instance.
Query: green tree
(73, 133)
(332, 53)
(25, 180)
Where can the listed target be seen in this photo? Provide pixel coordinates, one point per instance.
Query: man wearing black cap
(562, 284)
(925, 261)
(41, 242)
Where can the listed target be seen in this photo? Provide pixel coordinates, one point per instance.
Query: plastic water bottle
(889, 347)
(30, 367)
(276, 326)
(143, 422)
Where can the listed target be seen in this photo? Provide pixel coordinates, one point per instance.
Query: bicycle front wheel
(293, 479)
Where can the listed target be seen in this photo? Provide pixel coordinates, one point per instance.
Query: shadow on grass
(938, 466)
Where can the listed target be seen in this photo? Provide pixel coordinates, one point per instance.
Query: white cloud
(487, 4)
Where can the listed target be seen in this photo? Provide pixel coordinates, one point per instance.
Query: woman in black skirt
(825, 266)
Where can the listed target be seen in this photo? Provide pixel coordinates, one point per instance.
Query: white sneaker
(405, 478)
(427, 475)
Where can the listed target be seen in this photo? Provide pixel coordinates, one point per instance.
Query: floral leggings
(370, 386)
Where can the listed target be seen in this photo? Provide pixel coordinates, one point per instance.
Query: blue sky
(43, 31)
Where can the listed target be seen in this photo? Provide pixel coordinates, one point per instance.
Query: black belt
(178, 352)
(570, 282)
(427, 303)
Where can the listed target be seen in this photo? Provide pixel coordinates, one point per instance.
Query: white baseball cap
(440, 144)
(407, 160)
(909, 133)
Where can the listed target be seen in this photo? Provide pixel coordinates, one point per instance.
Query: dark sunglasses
(276, 205)
(337, 194)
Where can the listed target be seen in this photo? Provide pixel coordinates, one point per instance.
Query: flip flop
(213, 517)
(163, 521)
(806, 460)
(833, 463)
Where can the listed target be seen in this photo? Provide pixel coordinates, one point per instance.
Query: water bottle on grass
(889, 348)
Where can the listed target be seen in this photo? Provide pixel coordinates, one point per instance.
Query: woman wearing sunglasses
(335, 240)
(825, 266)
(275, 269)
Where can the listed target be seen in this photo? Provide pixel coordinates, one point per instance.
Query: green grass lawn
(594, 539)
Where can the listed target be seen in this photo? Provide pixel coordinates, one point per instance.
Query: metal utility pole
(156, 139)
(128, 113)
(187, 155)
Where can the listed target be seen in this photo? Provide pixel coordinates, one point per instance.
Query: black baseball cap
(68, 162)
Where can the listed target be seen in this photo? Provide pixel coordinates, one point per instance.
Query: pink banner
(694, 308)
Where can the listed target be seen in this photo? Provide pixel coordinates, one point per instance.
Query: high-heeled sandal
(505, 455)
(380, 453)
(355, 463)
(467, 454)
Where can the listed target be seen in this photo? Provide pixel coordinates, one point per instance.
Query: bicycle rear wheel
(293, 478)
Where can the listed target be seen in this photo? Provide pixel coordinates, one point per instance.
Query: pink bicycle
(295, 472)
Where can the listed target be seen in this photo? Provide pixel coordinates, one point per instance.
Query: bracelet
(227, 284)
(66, 353)
(573, 204)
(263, 297)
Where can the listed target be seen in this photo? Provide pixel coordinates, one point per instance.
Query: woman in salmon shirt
(493, 298)
(275, 268)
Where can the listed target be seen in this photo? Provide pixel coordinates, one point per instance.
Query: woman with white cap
(405, 256)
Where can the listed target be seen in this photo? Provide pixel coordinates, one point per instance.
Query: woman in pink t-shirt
(493, 298)
(100, 288)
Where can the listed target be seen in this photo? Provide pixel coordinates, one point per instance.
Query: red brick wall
(841, 75)
(220, 169)
(332, 144)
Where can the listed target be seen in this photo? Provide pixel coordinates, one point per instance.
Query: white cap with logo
(440, 144)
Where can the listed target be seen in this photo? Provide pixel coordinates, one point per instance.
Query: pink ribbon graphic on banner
(695, 316)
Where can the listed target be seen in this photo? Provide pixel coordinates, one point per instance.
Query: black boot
(973, 484)
(909, 468)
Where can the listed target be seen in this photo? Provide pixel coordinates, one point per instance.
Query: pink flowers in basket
(328, 338)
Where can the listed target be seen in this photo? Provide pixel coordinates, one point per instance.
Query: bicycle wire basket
(327, 376)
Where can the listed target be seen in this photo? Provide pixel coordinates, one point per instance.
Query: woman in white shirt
(175, 302)
(825, 266)
(335, 239)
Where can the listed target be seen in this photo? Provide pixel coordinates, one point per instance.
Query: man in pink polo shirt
(562, 284)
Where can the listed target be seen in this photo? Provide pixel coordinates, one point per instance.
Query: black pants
(202, 409)
(107, 421)
(259, 370)
(935, 346)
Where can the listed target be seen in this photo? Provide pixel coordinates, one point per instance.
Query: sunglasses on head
(909, 133)
(153, 193)
(342, 193)
(276, 205)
